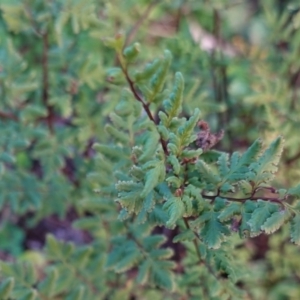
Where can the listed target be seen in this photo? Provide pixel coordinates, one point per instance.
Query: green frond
(6, 287)
(149, 70)
(172, 159)
(174, 181)
(128, 186)
(260, 215)
(33, 112)
(126, 253)
(175, 209)
(239, 164)
(150, 147)
(162, 254)
(275, 221)
(158, 79)
(119, 136)
(143, 271)
(173, 149)
(162, 276)
(137, 172)
(207, 173)
(111, 152)
(131, 201)
(173, 106)
(185, 131)
(246, 210)
(190, 154)
(47, 286)
(267, 164)
(131, 52)
(187, 235)
(153, 241)
(153, 177)
(213, 231)
(161, 128)
(223, 164)
(96, 142)
(229, 211)
(224, 262)
(188, 205)
(118, 121)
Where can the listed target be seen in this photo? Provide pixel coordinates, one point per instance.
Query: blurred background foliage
(240, 60)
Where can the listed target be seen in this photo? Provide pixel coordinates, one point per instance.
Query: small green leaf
(223, 164)
(175, 208)
(150, 147)
(143, 272)
(213, 232)
(148, 72)
(47, 285)
(172, 159)
(153, 177)
(6, 287)
(187, 235)
(275, 221)
(131, 52)
(163, 278)
(115, 75)
(262, 212)
(32, 112)
(53, 246)
(173, 106)
(295, 230)
(229, 211)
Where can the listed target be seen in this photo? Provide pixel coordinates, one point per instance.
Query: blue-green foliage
(212, 198)
(164, 215)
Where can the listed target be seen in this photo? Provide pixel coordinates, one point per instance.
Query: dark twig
(139, 98)
(251, 197)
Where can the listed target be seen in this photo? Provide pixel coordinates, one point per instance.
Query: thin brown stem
(251, 197)
(146, 107)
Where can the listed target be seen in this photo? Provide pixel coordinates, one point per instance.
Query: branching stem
(243, 199)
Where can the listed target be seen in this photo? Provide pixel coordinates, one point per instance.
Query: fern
(163, 203)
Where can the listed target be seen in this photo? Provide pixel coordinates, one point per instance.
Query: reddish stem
(139, 98)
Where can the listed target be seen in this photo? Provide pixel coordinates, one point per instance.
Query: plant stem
(251, 197)
(139, 98)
